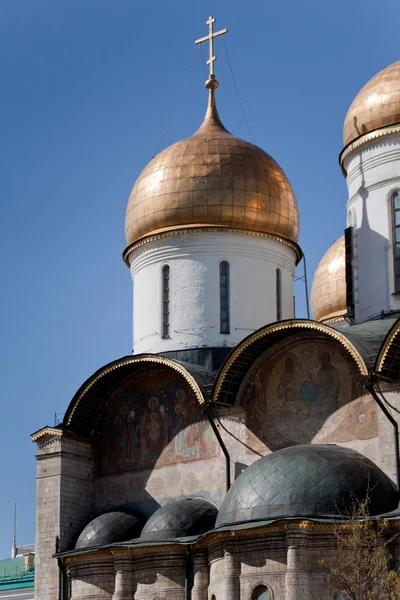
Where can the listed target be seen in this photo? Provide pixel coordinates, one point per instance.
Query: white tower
(370, 162)
(212, 227)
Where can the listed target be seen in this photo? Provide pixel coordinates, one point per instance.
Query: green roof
(13, 574)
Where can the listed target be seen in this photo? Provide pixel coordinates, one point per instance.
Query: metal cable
(237, 91)
(385, 399)
(233, 435)
(178, 103)
(393, 44)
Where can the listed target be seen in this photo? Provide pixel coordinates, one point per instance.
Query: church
(214, 462)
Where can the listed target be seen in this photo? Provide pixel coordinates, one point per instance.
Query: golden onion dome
(328, 292)
(376, 105)
(212, 179)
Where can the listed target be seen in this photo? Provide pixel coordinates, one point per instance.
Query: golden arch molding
(282, 326)
(140, 359)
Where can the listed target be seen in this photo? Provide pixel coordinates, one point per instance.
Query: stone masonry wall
(160, 575)
(64, 502)
(284, 558)
(91, 579)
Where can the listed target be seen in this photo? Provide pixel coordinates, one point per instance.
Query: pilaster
(296, 579)
(231, 583)
(124, 577)
(64, 501)
(201, 577)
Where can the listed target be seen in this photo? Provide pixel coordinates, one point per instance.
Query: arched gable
(85, 405)
(387, 364)
(238, 363)
(298, 382)
(143, 412)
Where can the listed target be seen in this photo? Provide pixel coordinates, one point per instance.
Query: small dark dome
(307, 481)
(109, 528)
(191, 516)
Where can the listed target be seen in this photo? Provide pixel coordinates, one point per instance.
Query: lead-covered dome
(307, 481)
(109, 528)
(190, 516)
(212, 179)
(328, 291)
(376, 105)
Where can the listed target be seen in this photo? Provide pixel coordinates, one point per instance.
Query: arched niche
(299, 383)
(150, 419)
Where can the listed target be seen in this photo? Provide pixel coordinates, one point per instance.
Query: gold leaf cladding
(376, 105)
(212, 178)
(328, 292)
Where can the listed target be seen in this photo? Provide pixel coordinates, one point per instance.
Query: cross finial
(210, 37)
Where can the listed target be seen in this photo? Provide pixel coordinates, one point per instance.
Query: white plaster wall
(194, 260)
(373, 175)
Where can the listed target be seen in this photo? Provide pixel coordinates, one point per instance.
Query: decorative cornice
(92, 554)
(46, 431)
(142, 358)
(116, 551)
(199, 228)
(214, 537)
(372, 163)
(282, 326)
(229, 245)
(336, 317)
(363, 139)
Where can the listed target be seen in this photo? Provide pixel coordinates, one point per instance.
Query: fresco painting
(307, 392)
(153, 419)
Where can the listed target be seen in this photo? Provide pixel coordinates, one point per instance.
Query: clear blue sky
(87, 90)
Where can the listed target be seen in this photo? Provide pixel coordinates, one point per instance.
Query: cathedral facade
(215, 461)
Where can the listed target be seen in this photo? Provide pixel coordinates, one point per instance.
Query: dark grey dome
(109, 528)
(307, 481)
(191, 516)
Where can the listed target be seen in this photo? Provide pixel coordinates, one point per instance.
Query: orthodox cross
(210, 37)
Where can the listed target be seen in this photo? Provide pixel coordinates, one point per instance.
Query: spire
(212, 118)
(14, 543)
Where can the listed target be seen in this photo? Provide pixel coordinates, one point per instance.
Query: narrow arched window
(166, 293)
(224, 325)
(261, 593)
(349, 219)
(278, 295)
(396, 240)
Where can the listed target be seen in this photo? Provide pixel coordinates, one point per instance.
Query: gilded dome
(328, 292)
(212, 179)
(376, 105)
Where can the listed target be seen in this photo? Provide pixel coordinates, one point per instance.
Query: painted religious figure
(153, 429)
(152, 420)
(307, 392)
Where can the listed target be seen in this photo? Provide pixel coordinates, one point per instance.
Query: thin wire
(234, 436)
(237, 91)
(202, 60)
(178, 103)
(386, 401)
(393, 44)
